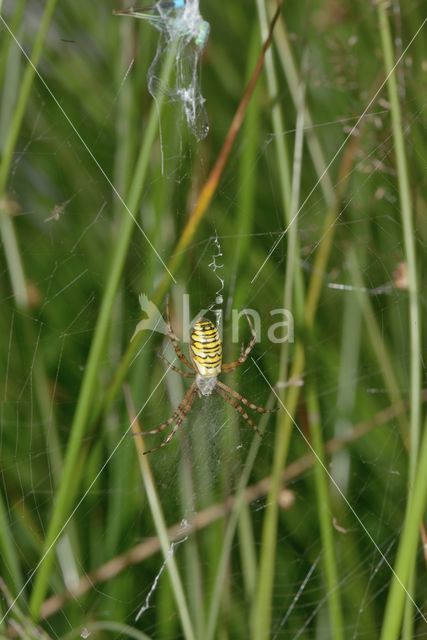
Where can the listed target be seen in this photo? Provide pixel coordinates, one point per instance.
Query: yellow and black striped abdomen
(206, 348)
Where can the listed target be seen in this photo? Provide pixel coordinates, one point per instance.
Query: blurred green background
(312, 531)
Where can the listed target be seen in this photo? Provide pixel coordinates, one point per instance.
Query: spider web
(66, 221)
(184, 35)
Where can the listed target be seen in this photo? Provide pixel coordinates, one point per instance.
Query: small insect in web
(183, 31)
(205, 365)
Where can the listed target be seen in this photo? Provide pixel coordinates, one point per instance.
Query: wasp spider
(205, 365)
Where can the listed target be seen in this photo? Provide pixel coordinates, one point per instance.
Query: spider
(205, 365)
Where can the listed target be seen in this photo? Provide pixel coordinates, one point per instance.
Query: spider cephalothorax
(206, 365)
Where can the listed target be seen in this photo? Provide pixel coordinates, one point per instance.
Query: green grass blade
(8, 549)
(408, 235)
(160, 524)
(290, 189)
(406, 554)
(85, 402)
(324, 509)
(25, 91)
(410, 252)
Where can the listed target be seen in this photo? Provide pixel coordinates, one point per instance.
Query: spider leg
(184, 374)
(174, 417)
(179, 414)
(233, 403)
(175, 341)
(226, 368)
(167, 440)
(178, 417)
(242, 399)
